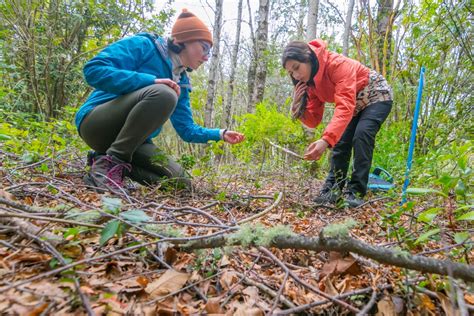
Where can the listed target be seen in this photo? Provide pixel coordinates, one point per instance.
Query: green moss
(339, 229)
(258, 235)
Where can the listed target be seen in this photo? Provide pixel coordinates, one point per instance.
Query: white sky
(203, 9)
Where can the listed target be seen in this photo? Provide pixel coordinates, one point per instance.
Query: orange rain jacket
(338, 80)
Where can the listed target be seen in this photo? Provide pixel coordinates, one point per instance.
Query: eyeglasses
(206, 48)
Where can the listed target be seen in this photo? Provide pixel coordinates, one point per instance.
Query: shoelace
(116, 172)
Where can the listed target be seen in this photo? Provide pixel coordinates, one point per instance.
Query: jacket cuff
(221, 133)
(331, 141)
(215, 134)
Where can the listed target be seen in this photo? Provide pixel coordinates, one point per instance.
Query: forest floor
(67, 250)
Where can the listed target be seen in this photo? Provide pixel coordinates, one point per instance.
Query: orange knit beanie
(189, 27)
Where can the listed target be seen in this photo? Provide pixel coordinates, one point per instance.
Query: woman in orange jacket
(362, 99)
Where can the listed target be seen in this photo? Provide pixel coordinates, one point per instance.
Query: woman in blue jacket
(140, 82)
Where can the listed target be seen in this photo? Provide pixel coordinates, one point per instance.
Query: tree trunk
(261, 60)
(211, 87)
(313, 8)
(347, 28)
(385, 17)
(235, 50)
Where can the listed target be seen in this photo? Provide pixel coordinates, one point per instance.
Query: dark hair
(300, 51)
(175, 48)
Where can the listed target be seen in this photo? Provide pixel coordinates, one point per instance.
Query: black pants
(360, 137)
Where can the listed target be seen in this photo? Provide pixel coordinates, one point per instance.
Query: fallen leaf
(329, 287)
(213, 306)
(469, 298)
(338, 265)
(37, 310)
(251, 293)
(386, 307)
(447, 306)
(228, 278)
(143, 281)
(245, 310)
(426, 302)
(170, 281)
(6, 195)
(224, 261)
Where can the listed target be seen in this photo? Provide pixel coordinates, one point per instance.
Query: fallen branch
(267, 290)
(8, 217)
(348, 244)
(20, 206)
(262, 213)
(284, 149)
(25, 228)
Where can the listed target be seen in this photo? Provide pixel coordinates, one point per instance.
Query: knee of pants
(163, 97)
(365, 136)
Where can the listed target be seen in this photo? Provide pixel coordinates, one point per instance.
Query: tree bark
(385, 17)
(347, 28)
(347, 244)
(233, 66)
(260, 58)
(313, 8)
(211, 86)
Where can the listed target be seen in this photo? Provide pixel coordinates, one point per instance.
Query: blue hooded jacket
(131, 64)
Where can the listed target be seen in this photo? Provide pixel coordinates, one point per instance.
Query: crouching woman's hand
(232, 137)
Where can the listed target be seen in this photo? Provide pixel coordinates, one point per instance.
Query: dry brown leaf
(345, 285)
(386, 307)
(213, 306)
(224, 261)
(29, 257)
(6, 195)
(447, 306)
(251, 295)
(426, 302)
(227, 279)
(329, 287)
(37, 310)
(183, 261)
(339, 265)
(245, 310)
(170, 281)
(145, 310)
(143, 281)
(469, 298)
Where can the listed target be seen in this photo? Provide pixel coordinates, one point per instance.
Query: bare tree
(260, 43)
(347, 28)
(214, 67)
(313, 8)
(235, 51)
(385, 18)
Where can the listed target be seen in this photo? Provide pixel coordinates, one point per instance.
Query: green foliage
(43, 66)
(207, 261)
(187, 161)
(111, 229)
(267, 122)
(135, 216)
(29, 136)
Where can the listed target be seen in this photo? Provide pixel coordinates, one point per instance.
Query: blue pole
(414, 127)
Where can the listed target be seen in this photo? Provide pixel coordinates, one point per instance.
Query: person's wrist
(325, 142)
(223, 131)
